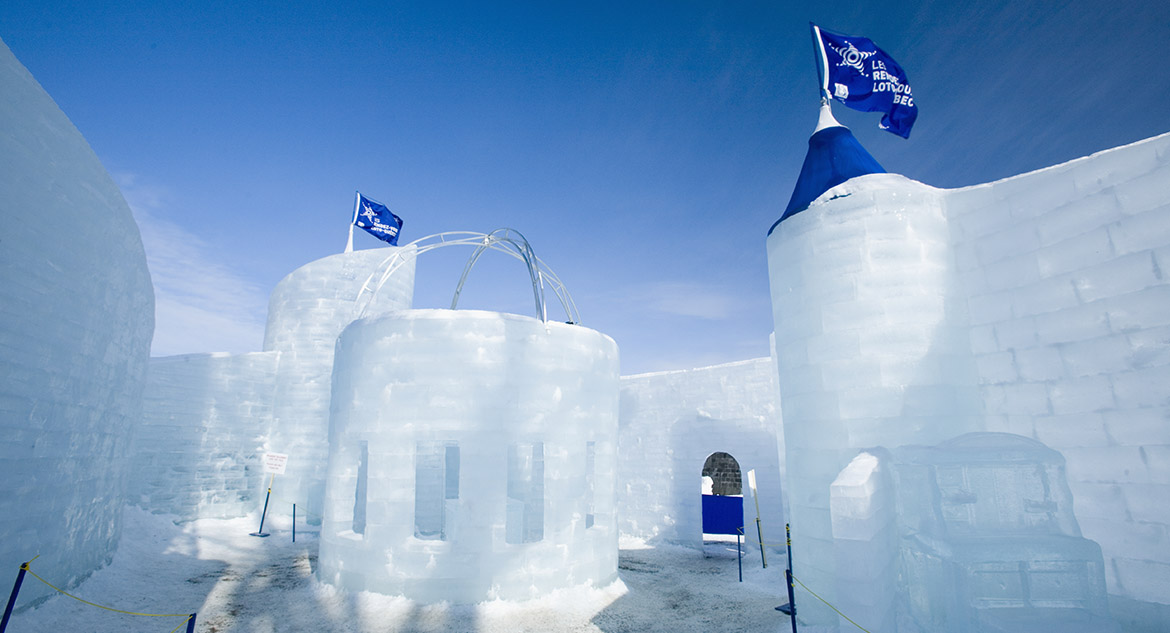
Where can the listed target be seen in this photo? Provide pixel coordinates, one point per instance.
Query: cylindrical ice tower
(871, 342)
(472, 457)
(307, 311)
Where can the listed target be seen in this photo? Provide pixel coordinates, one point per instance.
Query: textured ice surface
(307, 311)
(76, 318)
(979, 534)
(1065, 274)
(459, 465)
(671, 422)
(990, 542)
(197, 451)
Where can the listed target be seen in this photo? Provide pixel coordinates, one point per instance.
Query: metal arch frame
(504, 240)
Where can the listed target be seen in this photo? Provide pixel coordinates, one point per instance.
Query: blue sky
(644, 148)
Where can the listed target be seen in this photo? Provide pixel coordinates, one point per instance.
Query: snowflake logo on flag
(368, 214)
(850, 56)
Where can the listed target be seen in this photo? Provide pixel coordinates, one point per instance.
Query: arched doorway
(722, 496)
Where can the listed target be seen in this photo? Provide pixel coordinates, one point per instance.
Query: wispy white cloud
(201, 305)
(691, 299)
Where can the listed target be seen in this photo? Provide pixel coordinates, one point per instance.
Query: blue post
(12, 598)
(739, 551)
(191, 624)
(294, 523)
(263, 513)
(789, 608)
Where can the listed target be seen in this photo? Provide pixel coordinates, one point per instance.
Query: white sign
(752, 480)
(275, 462)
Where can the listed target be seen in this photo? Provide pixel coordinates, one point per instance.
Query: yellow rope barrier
(745, 539)
(829, 605)
(93, 604)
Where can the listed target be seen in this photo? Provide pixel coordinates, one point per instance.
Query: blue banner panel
(722, 514)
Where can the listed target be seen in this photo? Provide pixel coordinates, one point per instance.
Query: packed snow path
(238, 583)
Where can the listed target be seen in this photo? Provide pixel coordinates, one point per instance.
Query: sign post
(274, 463)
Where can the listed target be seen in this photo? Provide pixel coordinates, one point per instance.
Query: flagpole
(352, 221)
(821, 61)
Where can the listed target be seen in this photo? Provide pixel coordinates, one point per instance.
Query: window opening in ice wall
(525, 511)
(359, 496)
(436, 483)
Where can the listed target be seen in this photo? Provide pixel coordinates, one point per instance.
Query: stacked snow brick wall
(197, 452)
(1068, 275)
(671, 422)
(76, 318)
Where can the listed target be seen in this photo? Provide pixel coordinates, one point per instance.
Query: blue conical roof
(834, 156)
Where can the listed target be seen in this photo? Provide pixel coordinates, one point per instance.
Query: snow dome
(471, 457)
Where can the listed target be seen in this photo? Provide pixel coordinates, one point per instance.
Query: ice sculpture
(76, 319)
(472, 456)
(307, 311)
(989, 540)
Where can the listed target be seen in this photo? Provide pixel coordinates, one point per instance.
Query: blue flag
(862, 76)
(377, 220)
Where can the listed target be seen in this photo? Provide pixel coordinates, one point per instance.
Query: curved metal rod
(524, 249)
(539, 272)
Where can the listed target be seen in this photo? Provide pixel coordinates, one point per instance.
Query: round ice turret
(76, 318)
(871, 340)
(310, 307)
(472, 457)
(307, 311)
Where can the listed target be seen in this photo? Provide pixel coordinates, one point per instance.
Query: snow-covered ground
(237, 583)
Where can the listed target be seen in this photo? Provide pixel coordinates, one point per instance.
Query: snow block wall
(1067, 271)
(671, 422)
(472, 457)
(1036, 305)
(197, 451)
(307, 311)
(76, 319)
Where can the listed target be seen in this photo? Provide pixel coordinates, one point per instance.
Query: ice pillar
(871, 343)
(472, 456)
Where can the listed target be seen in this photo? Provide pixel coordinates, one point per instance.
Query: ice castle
(968, 392)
